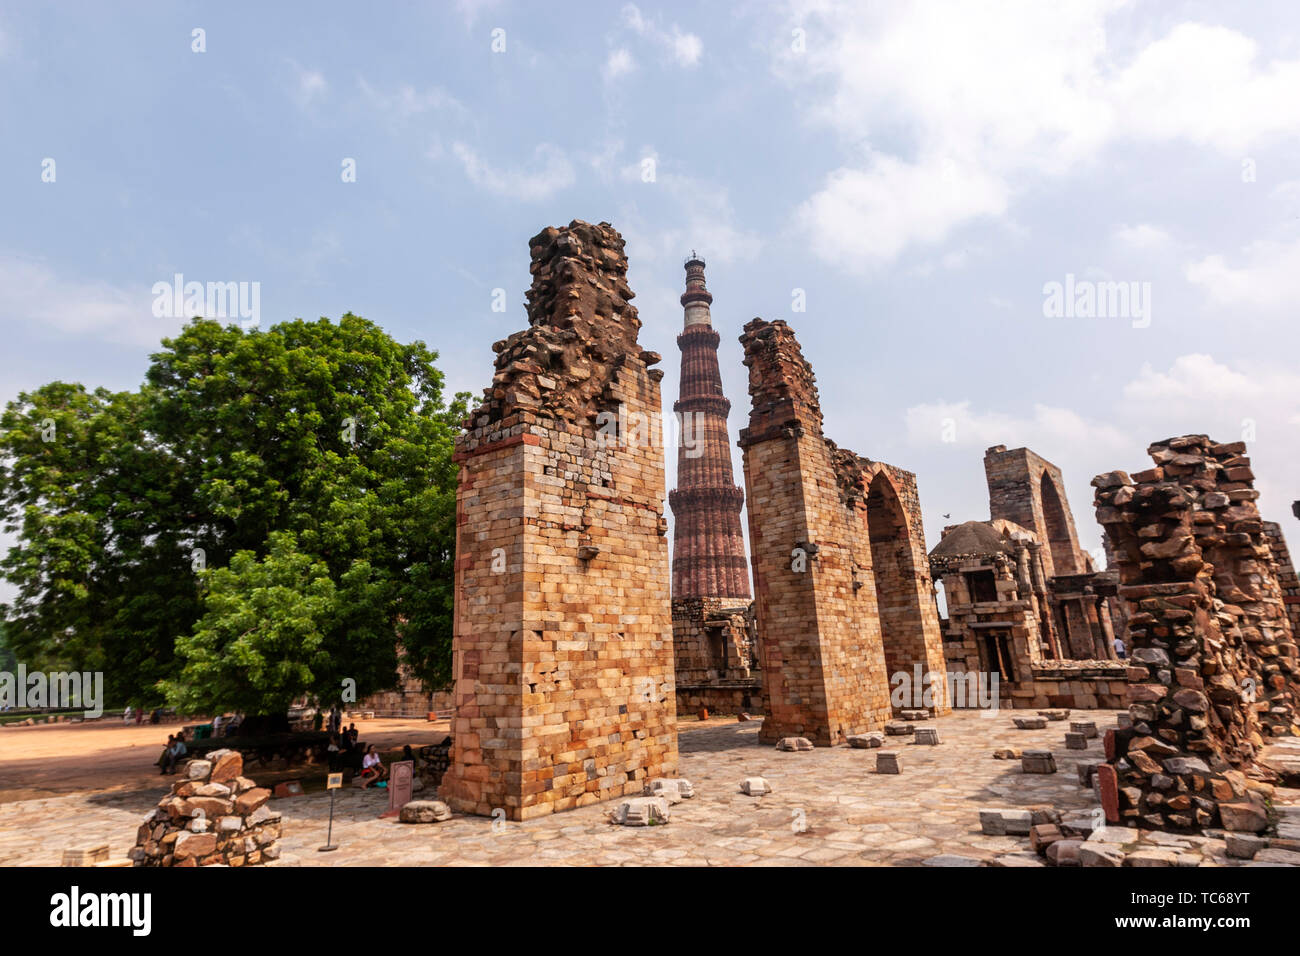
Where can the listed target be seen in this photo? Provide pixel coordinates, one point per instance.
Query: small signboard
(400, 786)
(334, 781)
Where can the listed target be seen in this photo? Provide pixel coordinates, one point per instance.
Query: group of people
(172, 753)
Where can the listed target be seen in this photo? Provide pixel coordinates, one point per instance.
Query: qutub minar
(708, 550)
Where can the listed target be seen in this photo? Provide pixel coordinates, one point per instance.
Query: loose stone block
(794, 743)
(674, 790)
(1038, 761)
(1100, 854)
(865, 741)
(1086, 727)
(914, 714)
(1085, 770)
(640, 812)
(754, 786)
(1005, 822)
(1061, 714)
(1064, 852)
(899, 728)
(1244, 846)
(1044, 835)
(424, 811)
(1244, 817)
(887, 762)
(1030, 723)
(1150, 857)
(928, 736)
(1075, 741)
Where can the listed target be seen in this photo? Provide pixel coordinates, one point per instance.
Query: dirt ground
(105, 755)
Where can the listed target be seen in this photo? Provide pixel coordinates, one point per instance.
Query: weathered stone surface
(1244, 846)
(1100, 854)
(199, 770)
(754, 786)
(424, 811)
(227, 765)
(249, 801)
(1075, 741)
(1038, 761)
(1243, 816)
(674, 789)
(952, 859)
(1005, 822)
(1029, 723)
(1151, 857)
(1064, 852)
(794, 743)
(899, 728)
(868, 740)
(926, 736)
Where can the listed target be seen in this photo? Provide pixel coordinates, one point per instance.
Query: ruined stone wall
(1286, 574)
(713, 639)
(562, 652)
(820, 642)
(1212, 658)
(1016, 481)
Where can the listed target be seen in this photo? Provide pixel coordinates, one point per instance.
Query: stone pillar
(562, 645)
(820, 641)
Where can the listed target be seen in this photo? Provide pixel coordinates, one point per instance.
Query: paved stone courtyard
(852, 815)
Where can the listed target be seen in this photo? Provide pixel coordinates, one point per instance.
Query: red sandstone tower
(708, 550)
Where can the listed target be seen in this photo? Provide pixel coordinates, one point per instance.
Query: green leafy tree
(312, 452)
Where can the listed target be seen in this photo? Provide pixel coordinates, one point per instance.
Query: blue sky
(920, 171)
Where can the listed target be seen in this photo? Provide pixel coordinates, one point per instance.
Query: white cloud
(618, 64)
(1004, 96)
(1268, 277)
(552, 172)
(1142, 236)
(31, 293)
(406, 101)
(684, 49)
(310, 86)
(1196, 394)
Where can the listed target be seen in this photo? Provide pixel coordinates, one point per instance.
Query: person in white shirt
(372, 768)
(1120, 650)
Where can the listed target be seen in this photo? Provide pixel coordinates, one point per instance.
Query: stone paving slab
(828, 808)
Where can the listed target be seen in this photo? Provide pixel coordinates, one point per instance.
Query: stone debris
(672, 789)
(1064, 852)
(952, 859)
(1005, 822)
(868, 740)
(1075, 741)
(928, 736)
(1007, 753)
(887, 762)
(1244, 846)
(914, 714)
(1100, 854)
(640, 812)
(1151, 858)
(1275, 855)
(1086, 769)
(1206, 619)
(1038, 761)
(1030, 723)
(1086, 727)
(424, 811)
(754, 786)
(794, 743)
(1056, 714)
(204, 821)
(899, 728)
(1044, 835)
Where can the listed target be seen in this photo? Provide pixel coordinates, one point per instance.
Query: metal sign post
(333, 782)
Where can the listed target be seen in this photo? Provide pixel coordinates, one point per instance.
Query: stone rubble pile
(213, 816)
(1213, 664)
(582, 326)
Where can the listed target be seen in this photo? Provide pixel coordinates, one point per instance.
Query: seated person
(372, 769)
(176, 749)
(334, 750)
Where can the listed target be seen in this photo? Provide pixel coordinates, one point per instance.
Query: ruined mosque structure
(576, 643)
(1024, 601)
(1214, 672)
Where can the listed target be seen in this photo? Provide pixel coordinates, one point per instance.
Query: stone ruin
(843, 592)
(213, 816)
(562, 648)
(1024, 601)
(1213, 661)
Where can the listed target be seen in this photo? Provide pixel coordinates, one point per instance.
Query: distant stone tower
(708, 550)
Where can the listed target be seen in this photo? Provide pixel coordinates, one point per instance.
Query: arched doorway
(898, 597)
(1064, 558)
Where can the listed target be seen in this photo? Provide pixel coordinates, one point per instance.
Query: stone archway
(1064, 558)
(902, 619)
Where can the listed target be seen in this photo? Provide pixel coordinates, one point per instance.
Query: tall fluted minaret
(708, 550)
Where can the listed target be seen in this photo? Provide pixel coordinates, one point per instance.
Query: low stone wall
(1085, 685)
(720, 698)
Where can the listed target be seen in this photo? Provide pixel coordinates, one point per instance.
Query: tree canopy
(268, 516)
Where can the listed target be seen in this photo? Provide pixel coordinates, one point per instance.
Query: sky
(912, 186)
